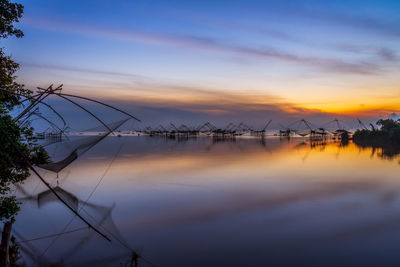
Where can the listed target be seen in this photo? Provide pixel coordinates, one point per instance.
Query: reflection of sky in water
(199, 203)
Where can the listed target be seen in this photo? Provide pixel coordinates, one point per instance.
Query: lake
(206, 202)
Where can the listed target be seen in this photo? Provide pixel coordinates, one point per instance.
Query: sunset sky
(206, 59)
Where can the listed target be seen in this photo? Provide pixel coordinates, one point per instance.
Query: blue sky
(218, 57)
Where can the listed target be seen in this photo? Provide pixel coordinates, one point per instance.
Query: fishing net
(71, 247)
(65, 152)
(64, 144)
(48, 196)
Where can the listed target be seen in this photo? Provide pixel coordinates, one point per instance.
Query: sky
(217, 60)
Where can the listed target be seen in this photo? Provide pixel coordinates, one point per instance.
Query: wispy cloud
(205, 43)
(384, 26)
(361, 22)
(387, 54)
(271, 32)
(250, 201)
(78, 69)
(384, 53)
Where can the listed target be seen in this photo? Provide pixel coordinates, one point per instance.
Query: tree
(388, 125)
(17, 143)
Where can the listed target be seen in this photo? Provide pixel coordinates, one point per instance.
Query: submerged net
(100, 216)
(48, 196)
(64, 153)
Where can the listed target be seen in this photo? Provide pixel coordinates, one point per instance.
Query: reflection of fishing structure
(320, 145)
(304, 128)
(100, 215)
(63, 152)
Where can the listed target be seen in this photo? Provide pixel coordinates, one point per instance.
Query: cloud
(197, 99)
(210, 44)
(158, 104)
(387, 54)
(384, 53)
(161, 103)
(164, 103)
(283, 35)
(363, 23)
(77, 69)
(243, 202)
(323, 16)
(394, 116)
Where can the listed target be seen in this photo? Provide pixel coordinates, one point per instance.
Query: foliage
(17, 143)
(389, 132)
(7, 81)
(10, 13)
(14, 253)
(9, 207)
(387, 137)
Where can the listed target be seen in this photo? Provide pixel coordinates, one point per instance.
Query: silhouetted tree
(17, 145)
(387, 137)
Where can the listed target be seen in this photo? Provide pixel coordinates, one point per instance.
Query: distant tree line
(388, 132)
(385, 137)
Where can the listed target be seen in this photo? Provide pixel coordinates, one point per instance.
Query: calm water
(204, 203)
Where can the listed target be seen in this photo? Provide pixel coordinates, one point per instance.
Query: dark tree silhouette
(17, 146)
(386, 137)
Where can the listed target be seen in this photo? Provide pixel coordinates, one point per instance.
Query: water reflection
(101, 215)
(208, 202)
(384, 151)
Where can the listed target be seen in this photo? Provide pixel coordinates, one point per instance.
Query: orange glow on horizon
(215, 102)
